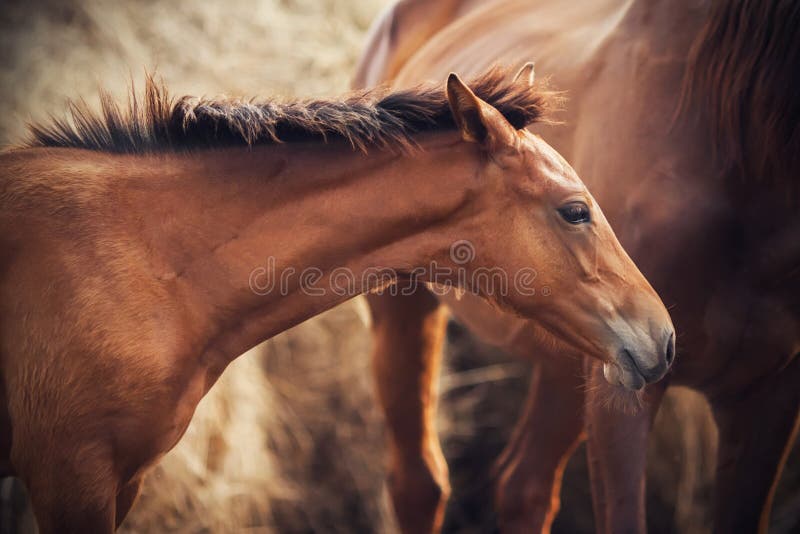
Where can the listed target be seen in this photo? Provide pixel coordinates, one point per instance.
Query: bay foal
(141, 251)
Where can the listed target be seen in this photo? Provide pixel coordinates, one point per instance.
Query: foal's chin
(617, 396)
(618, 376)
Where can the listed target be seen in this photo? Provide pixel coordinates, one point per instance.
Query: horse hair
(744, 73)
(375, 118)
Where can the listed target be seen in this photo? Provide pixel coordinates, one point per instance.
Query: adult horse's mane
(376, 118)
(744, 73)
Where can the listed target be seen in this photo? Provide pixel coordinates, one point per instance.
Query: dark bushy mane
(744, 73)
(377, 118)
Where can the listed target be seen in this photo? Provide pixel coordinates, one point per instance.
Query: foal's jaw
(635, 351)
(628, 325)
(637, 336)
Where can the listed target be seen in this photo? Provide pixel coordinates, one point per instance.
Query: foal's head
(564, 264)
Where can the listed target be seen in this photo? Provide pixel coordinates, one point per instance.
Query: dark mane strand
(744, 75)
(376, 118)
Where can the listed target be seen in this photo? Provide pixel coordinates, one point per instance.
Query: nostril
(670, 353)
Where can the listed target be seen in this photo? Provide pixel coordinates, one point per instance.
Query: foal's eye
(575, 213)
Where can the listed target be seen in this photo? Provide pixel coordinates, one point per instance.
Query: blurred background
(290, 439)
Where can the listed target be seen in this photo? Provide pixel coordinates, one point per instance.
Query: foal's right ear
(478, 121)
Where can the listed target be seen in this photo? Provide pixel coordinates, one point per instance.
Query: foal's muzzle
(633, 369)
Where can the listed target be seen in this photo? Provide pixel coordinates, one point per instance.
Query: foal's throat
(255, 235)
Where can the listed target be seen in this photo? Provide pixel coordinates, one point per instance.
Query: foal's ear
(478, 121)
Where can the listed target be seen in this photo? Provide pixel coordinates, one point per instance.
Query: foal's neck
(240, 228)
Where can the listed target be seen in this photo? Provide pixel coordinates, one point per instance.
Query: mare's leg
(5, 433)
(617, 439)
(756, 434)
(544, 439)
(408, 338)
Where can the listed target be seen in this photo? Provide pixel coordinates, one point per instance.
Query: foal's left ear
(478, 121)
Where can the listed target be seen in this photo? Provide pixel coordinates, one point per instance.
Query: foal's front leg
(72, 484)
(408, 338)
(126, 497)
(617, 439)
(80, 445)
(756, 435)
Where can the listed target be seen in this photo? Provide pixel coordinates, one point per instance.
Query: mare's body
(706, 204)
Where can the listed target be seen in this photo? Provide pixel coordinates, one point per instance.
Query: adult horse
(683, 117)
(143, 251)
